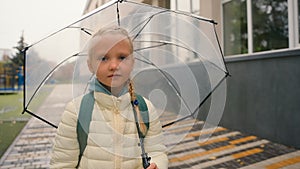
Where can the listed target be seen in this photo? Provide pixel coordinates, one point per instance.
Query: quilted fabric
(112, 140)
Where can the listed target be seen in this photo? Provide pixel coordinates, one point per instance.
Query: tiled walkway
(223, 148)
(32, 147)
(230, 149)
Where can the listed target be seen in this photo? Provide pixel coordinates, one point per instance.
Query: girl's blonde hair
(115, 30)
(142, 125)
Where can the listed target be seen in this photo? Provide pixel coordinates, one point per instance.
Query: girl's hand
(152, 166)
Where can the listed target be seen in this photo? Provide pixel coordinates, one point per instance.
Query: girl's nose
(114, 65)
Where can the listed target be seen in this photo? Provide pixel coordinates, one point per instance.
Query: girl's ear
(89, 63)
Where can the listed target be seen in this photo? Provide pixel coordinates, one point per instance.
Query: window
(259, 25)
(195, 7)
(270, 24)
(235, 27)
(191, 6)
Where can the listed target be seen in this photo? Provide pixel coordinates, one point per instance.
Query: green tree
(270, 24)
(18, 57)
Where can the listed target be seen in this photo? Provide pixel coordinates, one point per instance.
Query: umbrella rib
(118, 14)
(199, 106)
(47, 76)
(176, 121)
(149, 63)
(219, 45)
(40, 118)
(147, 20)
(85, 30)
(25, 75)
(150, 47)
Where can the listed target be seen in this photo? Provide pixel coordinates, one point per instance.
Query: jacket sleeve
(154, 140)
(66, 148)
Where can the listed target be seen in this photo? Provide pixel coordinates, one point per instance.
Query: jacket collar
(104, 97)
(95, 85)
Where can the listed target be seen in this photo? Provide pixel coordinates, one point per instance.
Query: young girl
(113, 140)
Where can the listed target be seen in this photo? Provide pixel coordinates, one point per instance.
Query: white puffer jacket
(112, 141)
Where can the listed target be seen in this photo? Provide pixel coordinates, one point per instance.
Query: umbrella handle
(146, 160)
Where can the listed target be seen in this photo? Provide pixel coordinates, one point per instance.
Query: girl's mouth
(114, 75)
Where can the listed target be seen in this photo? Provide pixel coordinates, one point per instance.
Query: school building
(261, 43)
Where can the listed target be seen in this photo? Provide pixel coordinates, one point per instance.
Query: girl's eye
(122, 57)
(102, 58)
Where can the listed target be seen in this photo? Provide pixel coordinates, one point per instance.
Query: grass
(8, 132)
(10, 116)
(11, 107)
(12, 120)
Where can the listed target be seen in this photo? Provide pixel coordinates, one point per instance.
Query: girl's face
(112, 60)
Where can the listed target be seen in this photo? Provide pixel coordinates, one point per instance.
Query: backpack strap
(85, 116)
(83, 122)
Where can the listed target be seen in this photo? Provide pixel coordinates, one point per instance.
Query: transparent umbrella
(179, 65)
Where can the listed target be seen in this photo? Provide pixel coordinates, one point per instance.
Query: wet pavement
(228, 149)
(223, 148)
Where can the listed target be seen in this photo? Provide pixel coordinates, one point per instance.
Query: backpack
(85, 115)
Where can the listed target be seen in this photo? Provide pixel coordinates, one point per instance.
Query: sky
(35, 18)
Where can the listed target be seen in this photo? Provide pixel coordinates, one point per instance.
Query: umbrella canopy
(178, 66)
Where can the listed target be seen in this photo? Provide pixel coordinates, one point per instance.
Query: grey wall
(263, 96)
